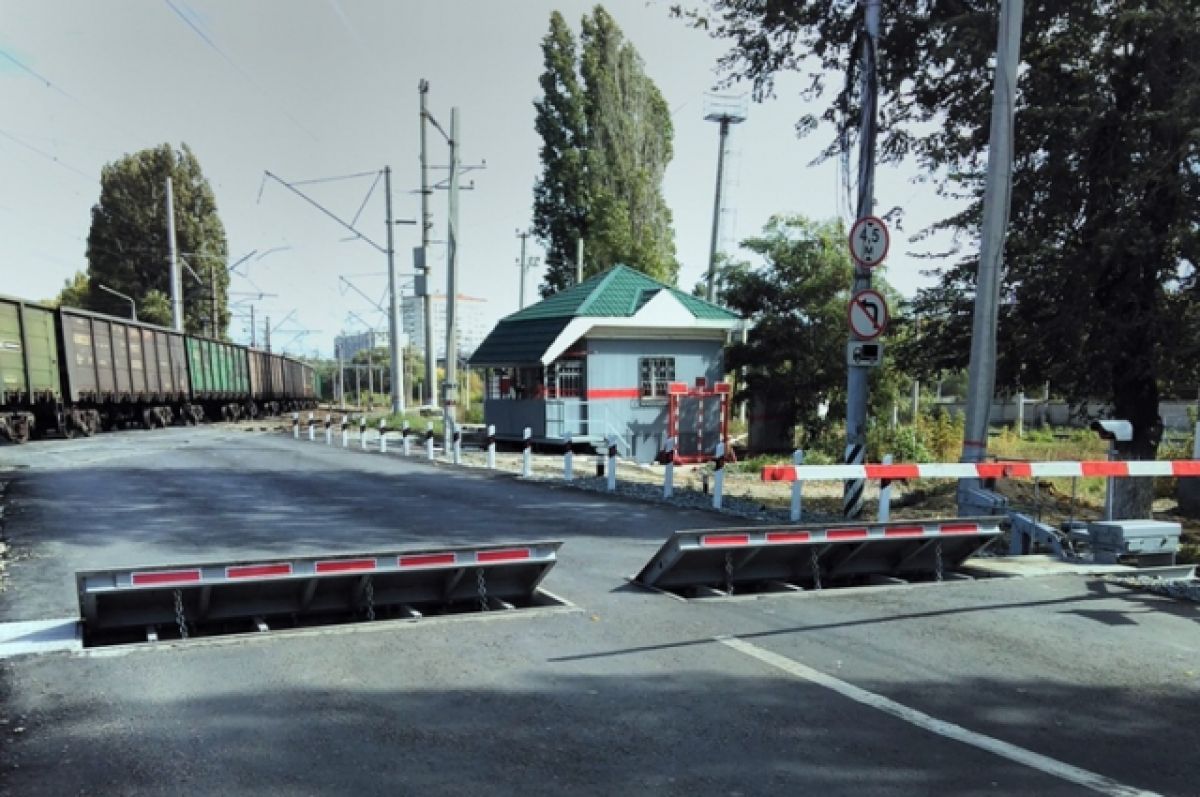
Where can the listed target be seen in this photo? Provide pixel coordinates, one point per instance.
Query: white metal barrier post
(345, 432)
(491, 447)
(404, 444)
(311, 428)
(457, 444)
(797, 485)
(669, 474)
(383, 433)
(612, 463)
(328, 429)
(569, 461)
(885, 494)
(429, 440)
(295, 426)
(527, 454)
(362, 432)
(718, 475)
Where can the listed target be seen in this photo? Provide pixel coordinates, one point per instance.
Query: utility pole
(579, 260)
(996, 201)
(212, 278)
(523, 264)
(450, 414)
(726, 112)
(173, 259)
(857, 385)
(252, 329)
(394, 305)
(426, 227)
(267, 333)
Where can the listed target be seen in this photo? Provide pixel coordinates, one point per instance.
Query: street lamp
(118, 294)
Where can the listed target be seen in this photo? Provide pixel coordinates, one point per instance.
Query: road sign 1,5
(868, 314)
(869, 241)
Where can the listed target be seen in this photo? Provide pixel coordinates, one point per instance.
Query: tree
(74, 292)
(795, 354)
(1103, 240)
(606, 142)
(127, 245)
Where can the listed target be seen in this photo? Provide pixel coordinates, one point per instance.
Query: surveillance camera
(1120, 431)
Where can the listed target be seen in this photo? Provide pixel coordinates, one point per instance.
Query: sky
(311, 89)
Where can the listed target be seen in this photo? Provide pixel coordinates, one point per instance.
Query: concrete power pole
(578, 260)
(451, 399)
(725, 113)
(173, 259)
(426, 226)
(267, 333)
(857, 385)
(523, 265)
(394, 302)
(996, 201)
(252, 330)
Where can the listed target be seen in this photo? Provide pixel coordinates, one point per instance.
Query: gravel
(1177, 588)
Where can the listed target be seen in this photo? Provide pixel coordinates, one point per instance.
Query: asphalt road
(1052, 685)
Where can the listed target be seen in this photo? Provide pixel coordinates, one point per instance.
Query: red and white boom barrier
(982, 470)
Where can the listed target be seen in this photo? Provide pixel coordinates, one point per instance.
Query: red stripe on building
(258, 571)
(904, 531)
(613, 393)
(788, 536)
(345, 566)
(715, 540)
(1186, 468)
(893, 471)
(511, 555)
(959, 528)
(165, 577)
(1104, 468)
(426, 560)
(845, 534)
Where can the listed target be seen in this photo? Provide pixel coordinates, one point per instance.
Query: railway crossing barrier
(403, 582)
(814, 556)
(983, 470)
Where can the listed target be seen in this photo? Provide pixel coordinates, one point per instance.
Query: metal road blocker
(321, 589)
(697, 419)
(798, 557)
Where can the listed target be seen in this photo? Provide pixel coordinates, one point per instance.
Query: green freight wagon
(30, 382)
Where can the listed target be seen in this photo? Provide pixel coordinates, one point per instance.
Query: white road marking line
(1020, 755)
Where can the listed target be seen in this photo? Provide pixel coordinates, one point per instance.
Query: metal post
(797, 486)
(716, 224)
(1020, 422)
(521, 292)
(267, 334)
(1109, 483)
(345, 433)
(253, 330)
(394, 304)
(173, 260)
(527, 454)
(295, 426)
(669, 472)
(491, 447)
(426, 226)
(857, 384)
(429, 440)
(885, 494)
(404, 444)
(569, 461)
(611, 440)
(578, 260)
(362, 432)
(718, 475)
(451, 397)
(328, 429)
(915, 401)
(312, 429)
(457, 444)
(383, 435)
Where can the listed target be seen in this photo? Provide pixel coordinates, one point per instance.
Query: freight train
(68, 371)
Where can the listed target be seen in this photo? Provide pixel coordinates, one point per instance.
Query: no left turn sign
(868, 314)
(869, 241)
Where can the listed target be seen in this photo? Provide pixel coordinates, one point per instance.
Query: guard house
(619, 354)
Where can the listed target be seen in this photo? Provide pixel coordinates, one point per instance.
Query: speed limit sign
(869, 241)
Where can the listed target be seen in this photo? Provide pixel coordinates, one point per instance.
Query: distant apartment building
(472, 325)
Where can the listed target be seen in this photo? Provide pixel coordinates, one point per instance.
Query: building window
(656, 373)
(564, 379)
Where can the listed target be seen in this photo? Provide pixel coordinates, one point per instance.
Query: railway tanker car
(73, 371)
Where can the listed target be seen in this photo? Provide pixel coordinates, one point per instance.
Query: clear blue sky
(315, 88)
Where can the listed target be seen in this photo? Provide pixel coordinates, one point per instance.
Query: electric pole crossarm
(321, 208)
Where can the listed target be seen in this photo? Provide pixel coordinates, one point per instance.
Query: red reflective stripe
(1004, 470)
(893, 471)
(165, 577)
(614, 393)
(258, 571)
(426, 560)
(711, 540)
(959, 528)
(778, 473)
(1185, 468)
(1104, 468)
(345, 565)
(788, 536)
(905, 531)
(515, 554)
(845, 534)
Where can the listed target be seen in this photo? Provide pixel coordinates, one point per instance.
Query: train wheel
(19, 433)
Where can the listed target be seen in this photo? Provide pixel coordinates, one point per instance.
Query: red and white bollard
(328, 429)
(612, 463)
(491, 447)
(569, 461)
(797, 486)
(669, 471)
(527, 454)
(718, 475)
(312, 428)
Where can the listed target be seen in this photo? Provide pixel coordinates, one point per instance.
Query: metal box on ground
(1149, 542)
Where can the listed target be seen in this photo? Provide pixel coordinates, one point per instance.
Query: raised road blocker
(715, 562)
(134, 604)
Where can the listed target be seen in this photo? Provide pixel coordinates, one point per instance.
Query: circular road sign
(869, 241)
(868, 315)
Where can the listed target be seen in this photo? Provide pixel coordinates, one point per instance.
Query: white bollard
(345, 432)
(568, 461)
(669, 474)
(382, 441)
(295, 425)
(491, 447)
(885, 495)
(328, 429)
(527, 454)
(362, 433)
(312, 434)
(457, 438)
(612, 463)
(404, 444)
(718, 475)
(797, 485)
(382, 432)
(429, 440)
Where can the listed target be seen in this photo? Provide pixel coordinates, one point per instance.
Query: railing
(583, 419)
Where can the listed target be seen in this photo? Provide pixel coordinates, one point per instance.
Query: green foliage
(606, 142)
(127, 247)
(74, 293)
